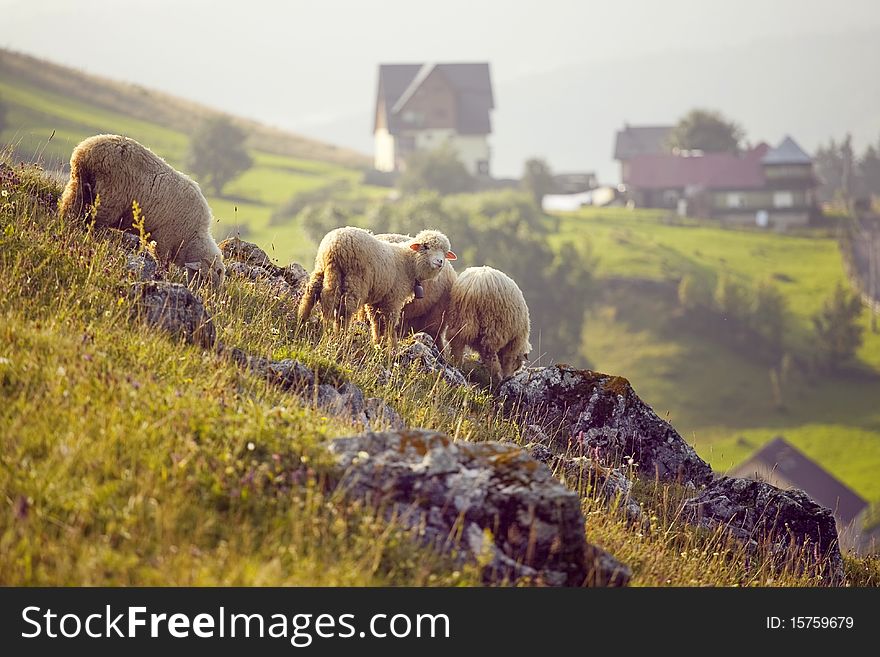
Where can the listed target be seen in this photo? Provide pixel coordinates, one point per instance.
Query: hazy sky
(311, 65)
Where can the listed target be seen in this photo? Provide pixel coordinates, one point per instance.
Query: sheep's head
(432, 250)
(205, 263)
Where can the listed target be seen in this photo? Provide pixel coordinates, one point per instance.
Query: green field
(716, 396)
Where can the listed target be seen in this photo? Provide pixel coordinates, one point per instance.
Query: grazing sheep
(117, 171)
(354, 269)
(425, 315)
(487, 312)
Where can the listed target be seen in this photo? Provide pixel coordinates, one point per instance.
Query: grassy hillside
(129, 457)
(719, 396)
(50, 109)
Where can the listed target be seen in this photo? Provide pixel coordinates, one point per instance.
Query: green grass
(719, 397)
(130, 458)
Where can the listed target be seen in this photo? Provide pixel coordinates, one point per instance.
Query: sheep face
(432, 251)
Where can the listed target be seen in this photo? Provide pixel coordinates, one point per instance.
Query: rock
(287, 374)
(346, 401)
(422, 352)
(509, 512)
(249, 260)
(248, 253)
(787, 522)
(173, 308)
(581, 473)
(295, 275)
(128, 241)
(601, 416)
(378, 414)
(143, 266)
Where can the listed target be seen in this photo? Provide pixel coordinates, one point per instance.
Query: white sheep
(117, 171)
(488, 313)
(354, 269)
(426, 314)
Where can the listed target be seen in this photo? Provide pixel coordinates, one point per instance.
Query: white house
(423, 106)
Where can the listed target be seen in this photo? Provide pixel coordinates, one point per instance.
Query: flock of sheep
(396, 282)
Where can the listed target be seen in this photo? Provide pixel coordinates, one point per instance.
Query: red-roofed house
(763, 186)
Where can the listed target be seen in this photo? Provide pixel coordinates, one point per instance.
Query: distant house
(781, 464)
(768, 187)
(574, 183)
(640, 140)
(423, 106)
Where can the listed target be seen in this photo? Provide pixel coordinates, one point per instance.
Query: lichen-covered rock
(142, 265)
(788, 522)
(601, 416)
(346, 401)
(288, 374)
(422, 352)
(235, 248)
(580, 473)
(489, 502)
(249, 260)
(173, 308)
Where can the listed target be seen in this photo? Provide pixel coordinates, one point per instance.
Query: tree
(731, 299)
(537, 179)
(706, 131)
(838, 172)
(869, 170)
(838, 334)
(694, 293)
(767, 312)
(217, 154)
(439, 170)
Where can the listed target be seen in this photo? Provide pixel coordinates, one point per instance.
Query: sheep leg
(385, 323)
(456, 347)
(490, 359)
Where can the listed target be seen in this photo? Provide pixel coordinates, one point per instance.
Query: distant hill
(151, 106)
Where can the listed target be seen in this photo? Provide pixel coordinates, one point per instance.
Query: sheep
(117, 170)
(426, 314)
(354, 269)
(488, 313)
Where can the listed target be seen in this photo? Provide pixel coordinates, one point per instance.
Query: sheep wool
(117, 170)
(353, 269)
(426, 314)
(488, 313)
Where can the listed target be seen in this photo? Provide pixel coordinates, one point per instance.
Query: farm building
(423, 106)
(764, 186)
(781, 464)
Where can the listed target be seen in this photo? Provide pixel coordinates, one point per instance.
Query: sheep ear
(451, 256)
(193, 265)
(415, 247)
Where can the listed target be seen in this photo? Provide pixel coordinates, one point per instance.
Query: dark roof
(709, 170)
(809, 476)
(641, 140)
(788, 152)
(471, 82)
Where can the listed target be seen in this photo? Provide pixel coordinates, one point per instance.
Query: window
(483, 167)
(735, 200)
(783, 199)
